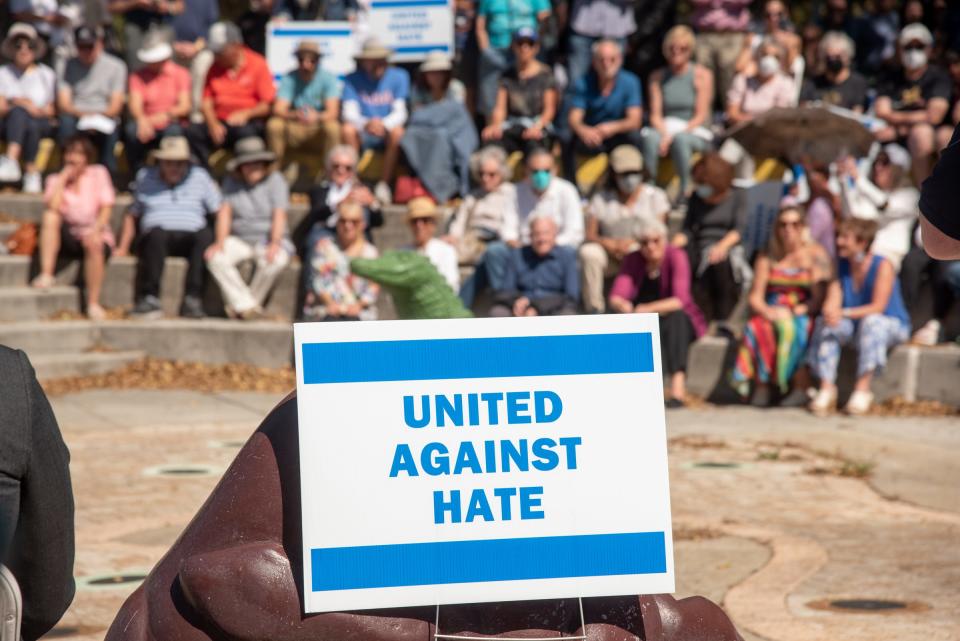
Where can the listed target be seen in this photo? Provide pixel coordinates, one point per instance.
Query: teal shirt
(314, 94)
(504, 17)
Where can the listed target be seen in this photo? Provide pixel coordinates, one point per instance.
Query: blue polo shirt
(598, 108)
(313, 94)
(536, 276)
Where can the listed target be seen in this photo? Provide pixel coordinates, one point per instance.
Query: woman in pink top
(79, 201)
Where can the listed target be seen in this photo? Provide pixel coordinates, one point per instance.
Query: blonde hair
(681, 33)
(350, 207)
(775, 248)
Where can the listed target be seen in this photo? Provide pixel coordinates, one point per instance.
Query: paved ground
(773, 536)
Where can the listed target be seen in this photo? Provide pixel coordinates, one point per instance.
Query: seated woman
(680, 97)
(611, 219)
(435, 82)
(656, 279)
(76, 223)
(712, 229)
(788, 288)
(863, 306)
(886, 196)
(526, 100)
(335, 293)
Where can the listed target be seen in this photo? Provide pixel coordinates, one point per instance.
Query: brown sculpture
(235, 574)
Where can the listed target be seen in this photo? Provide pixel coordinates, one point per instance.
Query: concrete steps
(82, 364)
(39, 338)
(27, 303)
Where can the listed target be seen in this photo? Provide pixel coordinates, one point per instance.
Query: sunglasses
(22, 43)
(349, 221)
(679, 49)
(344, 166)
(881, 161)
(784, 224)
(489, 174)
(655, 240)
(421, 221)
(308, 58)
(915, 46)
(525, 42)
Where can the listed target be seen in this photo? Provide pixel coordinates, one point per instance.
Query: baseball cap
(915, 32)
(526, 33)
(222, 34)
(88, 35)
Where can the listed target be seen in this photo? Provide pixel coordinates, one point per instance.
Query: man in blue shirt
(606, 107)
(375, 109)
(172, 206)
(542, 277)
(307, 108)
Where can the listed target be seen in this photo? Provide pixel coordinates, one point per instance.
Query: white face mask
(914, 58)
(768, 66)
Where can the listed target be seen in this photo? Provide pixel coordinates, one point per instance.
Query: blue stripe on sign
(280, 31)
(421, 49)
(433, 359)
(552, 557)
(402, 4)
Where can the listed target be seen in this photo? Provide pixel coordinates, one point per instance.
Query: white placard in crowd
(335, 39)
(482, 460)
(413, 28)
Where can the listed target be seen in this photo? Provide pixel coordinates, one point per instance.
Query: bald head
(543, 235)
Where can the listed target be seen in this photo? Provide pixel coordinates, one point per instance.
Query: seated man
(172, 202)
(914, 100)
(307, 111)
(543, 194)
(375, 109)
(237, 94)
(542, 278)
(251, 224)
(90, 92)
(422, 215)
(159, 100)
(606, 107)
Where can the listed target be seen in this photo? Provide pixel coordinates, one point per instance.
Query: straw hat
(626, 159)
(172, 148)
(373, 49)
(250, 149)
(436, 61)
(307, 46)
(422, 207)
(22, 30)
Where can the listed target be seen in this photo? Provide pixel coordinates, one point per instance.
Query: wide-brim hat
(373, 49)
(22, 30)
(250, 149)
(625, 159)
(155, 52)
(172, 148)
(422, 207)
(436, 61)
(308, 46)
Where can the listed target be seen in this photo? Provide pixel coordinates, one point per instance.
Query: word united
(500, 410)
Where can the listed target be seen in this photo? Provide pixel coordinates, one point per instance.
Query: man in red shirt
(236, 96)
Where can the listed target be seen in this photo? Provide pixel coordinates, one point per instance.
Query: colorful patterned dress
(333, 277)
(771, 351)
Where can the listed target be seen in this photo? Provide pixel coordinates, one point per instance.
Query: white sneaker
(823, 401)
(9, 170)
(382, 191)
(859, 403)
(928, 335)
(32, 183)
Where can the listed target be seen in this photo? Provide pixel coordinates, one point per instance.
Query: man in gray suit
(36, 499)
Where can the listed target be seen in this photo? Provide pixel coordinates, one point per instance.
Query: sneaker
(928, 335)
(795, 398)
(9, 170)
(674, 404)
(147, 308)
(859, 403)
(32, 183)
(824, 401)
(43, 281)
(382, 192)
(192, 307)
(761, 396)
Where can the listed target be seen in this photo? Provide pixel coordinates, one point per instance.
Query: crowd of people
(556, 82)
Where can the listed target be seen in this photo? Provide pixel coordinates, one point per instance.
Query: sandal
(96, 313)
(43, 281)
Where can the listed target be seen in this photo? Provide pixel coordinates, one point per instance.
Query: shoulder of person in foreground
(940, 218)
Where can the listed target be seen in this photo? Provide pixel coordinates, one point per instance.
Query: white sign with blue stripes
(413, 28)
(482, 460)
(335, 39)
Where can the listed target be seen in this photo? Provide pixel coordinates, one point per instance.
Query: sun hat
(154, 49)
(626, 159)
(250, 149)
(172, 148)
(22, 30)
(373, 49)
(436, 61)
(422, 207)
(897, 154)
(307, 46)
(222, 34)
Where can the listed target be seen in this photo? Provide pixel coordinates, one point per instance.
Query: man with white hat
(914, 99)
(159, 99)
(375, 109)
(307, 110)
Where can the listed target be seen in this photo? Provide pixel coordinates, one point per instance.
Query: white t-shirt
(38, 84)
(444, 258)
(561, 201)
(895, 221)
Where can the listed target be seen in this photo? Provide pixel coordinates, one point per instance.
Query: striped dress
(771, 351)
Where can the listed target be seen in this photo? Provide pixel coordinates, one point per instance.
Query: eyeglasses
(337, 166)
(489, 174)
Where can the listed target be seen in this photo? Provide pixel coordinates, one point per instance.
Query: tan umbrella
(803, 132)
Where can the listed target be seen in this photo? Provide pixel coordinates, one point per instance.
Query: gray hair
(772, 42)
(488, 153)
(595, 47)
(838, 39)
(536, 152)
(648, 226)
(342, 151)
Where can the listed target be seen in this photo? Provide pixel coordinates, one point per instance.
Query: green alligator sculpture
(417, 288)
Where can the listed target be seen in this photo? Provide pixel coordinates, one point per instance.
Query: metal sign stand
(460, 637)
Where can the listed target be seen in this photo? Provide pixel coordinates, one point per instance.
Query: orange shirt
(243, 88)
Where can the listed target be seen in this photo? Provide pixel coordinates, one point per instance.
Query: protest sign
(413, 28)
(335, 39)
(482, 460)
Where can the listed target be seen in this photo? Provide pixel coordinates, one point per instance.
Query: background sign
(413, 28)
(482, 460)
(335, 39)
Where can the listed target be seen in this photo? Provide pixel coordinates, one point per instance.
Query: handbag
(23, 241)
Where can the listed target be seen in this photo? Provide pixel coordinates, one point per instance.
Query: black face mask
(834, 65)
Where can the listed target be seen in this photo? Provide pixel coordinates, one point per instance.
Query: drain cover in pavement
(182, 469)
(716, 465)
